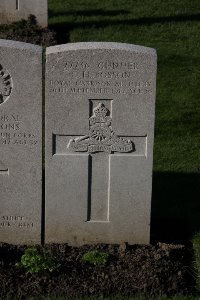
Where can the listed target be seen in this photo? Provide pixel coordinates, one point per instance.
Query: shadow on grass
(88, 12)
(63, 28)
(175, 207)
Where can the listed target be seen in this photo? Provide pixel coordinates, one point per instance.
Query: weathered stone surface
(20, 142)
(15, 10)
(100, 100)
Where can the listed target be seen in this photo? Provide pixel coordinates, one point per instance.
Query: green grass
(172, 28)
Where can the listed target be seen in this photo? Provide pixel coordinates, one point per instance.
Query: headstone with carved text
(20, 142)
(100, 100)
(15, 10)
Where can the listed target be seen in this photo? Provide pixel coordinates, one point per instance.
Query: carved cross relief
(4, 172)
(17, 4)
(3, 169)
(99, 144)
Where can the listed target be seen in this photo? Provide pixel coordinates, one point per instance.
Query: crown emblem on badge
(100, 111)
(101, 137)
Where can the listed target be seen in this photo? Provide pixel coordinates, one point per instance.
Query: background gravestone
(100, 100)
(20, 142)
(15, 10)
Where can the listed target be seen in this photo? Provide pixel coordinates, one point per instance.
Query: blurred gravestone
(100, 100)
(15, 10)
(20, 142)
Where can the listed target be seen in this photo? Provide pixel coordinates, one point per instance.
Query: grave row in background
(15, 10)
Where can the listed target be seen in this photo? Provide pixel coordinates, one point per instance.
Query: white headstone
(15, 10)
(20, 142)
(100, 100)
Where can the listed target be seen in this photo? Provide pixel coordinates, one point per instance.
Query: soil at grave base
(152, 270)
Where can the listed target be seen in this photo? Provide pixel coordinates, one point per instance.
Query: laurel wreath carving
(5, 84)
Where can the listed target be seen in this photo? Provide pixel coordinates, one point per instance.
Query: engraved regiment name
(13, 131)
(110, 77)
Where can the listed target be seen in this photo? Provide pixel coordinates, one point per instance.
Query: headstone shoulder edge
(101, 45)
(20, 45)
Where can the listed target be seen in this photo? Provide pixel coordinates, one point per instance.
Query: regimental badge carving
(101, 137)
(5, 84)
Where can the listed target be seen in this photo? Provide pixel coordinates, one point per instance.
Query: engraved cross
(17, 4)
(4, 171)
(100, 143)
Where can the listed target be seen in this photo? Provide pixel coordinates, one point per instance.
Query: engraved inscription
(104, 65)
(101, 136)
(10, 122)
(8, 17)
(101, 77)
(15, 221)
(130, 65)
(21, 138)
(107, 75)
(12, 131)
(75, 65)
(5, 84)
(88, 86)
